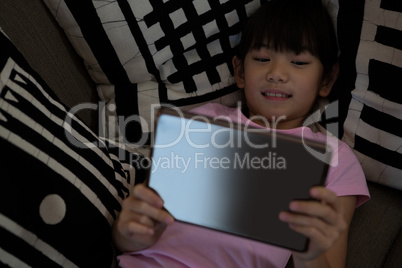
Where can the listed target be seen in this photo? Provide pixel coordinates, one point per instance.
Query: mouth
(275, 95)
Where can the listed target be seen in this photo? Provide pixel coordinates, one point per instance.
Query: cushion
(61, 186)
(373, 72)
(144, 53)
(378, 220)
(49, 53)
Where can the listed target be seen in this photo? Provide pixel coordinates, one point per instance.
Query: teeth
(278, 95)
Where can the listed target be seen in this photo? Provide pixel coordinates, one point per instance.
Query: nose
(277, 72)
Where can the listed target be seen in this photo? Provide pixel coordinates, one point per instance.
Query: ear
(238, 72)
(329, 81)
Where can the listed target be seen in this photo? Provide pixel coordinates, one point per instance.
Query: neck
(276, 123)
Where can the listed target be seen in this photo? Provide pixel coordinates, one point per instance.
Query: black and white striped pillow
(374, 71)
(61, 186)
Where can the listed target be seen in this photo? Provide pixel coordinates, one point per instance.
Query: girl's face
(281, 87)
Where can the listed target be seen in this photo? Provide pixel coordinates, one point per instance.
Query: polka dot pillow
(61, 186)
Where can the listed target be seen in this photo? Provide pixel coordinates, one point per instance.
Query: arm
(142, 220)
(326, 223)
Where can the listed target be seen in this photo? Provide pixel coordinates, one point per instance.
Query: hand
(322, 222)
(142, 220)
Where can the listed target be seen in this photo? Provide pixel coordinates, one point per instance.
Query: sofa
(57, 210)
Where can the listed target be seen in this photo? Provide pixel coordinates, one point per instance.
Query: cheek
(310, 84)
(251, 98)
(251, 91)
(248, 95)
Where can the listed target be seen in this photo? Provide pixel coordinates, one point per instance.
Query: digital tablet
(232, 178)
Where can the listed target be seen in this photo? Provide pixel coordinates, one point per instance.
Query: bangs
(293, 25)
(290, 29)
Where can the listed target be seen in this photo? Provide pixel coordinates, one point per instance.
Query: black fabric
(387, 157)
(389, 37)
(381, 120)
(131, 132)
(91, 27)
(393, 5)
(384, 80)
(41, 164)
(349, 24)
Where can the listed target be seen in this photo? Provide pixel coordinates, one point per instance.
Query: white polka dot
(112, 107)
(52, 209)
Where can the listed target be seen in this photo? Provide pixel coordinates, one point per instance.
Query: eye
(262, 59)
(299, 62)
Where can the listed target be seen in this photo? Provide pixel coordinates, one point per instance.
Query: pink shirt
(184, 245)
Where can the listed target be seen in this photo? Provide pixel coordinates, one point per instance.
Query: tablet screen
(230, 179)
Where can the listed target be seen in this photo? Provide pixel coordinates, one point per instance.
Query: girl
(287, 59)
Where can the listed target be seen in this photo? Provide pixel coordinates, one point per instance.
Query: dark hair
(292, 25)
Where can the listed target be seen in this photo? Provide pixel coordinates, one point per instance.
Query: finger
(306, 222)
(328, 197)
(329, 207)
(134, 209)
(145, 193)
(144, 220)
(135, 228)
(315, 215)
(154, 213)
(321, 240)
(320, 233)
(128, 225)
(314, 209)
(133, 223)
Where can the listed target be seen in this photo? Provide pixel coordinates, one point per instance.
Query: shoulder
(342, 155)
(345, 175)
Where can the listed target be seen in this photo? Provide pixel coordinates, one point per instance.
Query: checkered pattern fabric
(143, 53)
